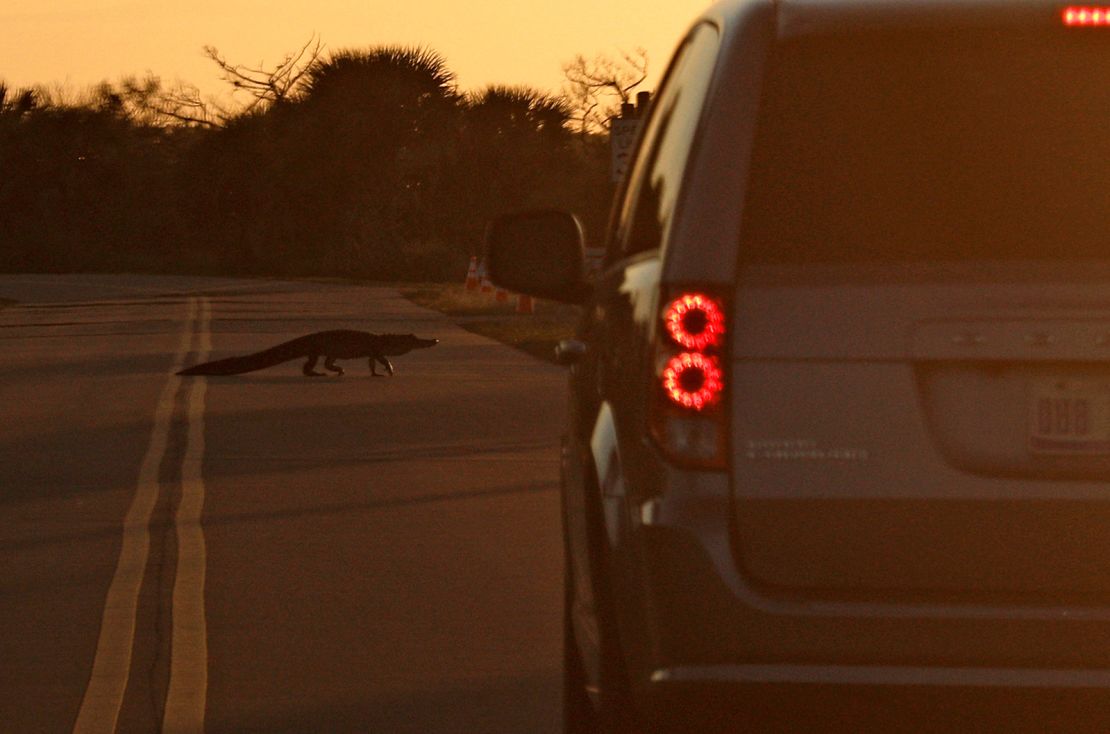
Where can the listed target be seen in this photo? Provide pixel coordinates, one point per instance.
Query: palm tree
(369, 135)
(519, 111)
(410, 76)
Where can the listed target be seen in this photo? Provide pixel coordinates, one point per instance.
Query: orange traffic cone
(483, 277)
(472, 274)
(524, 303)
(501, 296)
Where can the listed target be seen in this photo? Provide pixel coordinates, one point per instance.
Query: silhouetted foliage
(361, 163)
(512, 151)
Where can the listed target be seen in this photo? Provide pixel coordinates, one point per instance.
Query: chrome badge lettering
(801, 449)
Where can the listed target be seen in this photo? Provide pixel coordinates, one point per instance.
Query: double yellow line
(188, 686)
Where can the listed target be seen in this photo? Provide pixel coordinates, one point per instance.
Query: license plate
(1070, 418)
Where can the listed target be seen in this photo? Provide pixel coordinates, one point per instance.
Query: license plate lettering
(1063, 417)
(1070, 418)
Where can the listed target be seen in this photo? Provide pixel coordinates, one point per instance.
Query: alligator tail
(247, 363)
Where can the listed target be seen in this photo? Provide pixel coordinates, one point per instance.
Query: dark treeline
(372, 165)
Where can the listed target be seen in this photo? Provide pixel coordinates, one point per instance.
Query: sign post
(622, 136)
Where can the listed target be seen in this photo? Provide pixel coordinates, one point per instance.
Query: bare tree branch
(269, 86)
(184, 104)
(597, 87)
(146, 101)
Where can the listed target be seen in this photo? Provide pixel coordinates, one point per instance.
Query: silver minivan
(838, 453)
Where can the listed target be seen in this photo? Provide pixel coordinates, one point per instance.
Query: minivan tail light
(693, 380)
(688, 417)
(695, 321)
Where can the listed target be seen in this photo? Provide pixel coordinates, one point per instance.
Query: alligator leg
(309, 368)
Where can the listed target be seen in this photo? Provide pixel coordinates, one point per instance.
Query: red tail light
(693, 380)
(689, 418)
(1086, 16)
(695, 321)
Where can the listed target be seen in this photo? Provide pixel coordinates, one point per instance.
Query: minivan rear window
(980, 144)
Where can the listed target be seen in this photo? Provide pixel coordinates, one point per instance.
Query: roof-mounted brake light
(1086, 16)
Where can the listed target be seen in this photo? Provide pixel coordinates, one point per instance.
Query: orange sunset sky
(81, 42)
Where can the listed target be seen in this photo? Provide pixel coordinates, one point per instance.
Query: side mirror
(538, 253)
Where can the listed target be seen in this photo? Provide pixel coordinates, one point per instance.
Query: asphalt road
(270, 552)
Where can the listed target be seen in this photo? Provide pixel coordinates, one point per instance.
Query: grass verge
(536, 333)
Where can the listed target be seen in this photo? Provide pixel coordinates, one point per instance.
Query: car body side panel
(605, 444)
(578, 485)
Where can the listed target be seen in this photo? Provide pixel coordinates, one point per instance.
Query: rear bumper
(807, 698)
(703, 611)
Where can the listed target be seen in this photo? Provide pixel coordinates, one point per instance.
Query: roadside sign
(622, 136)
